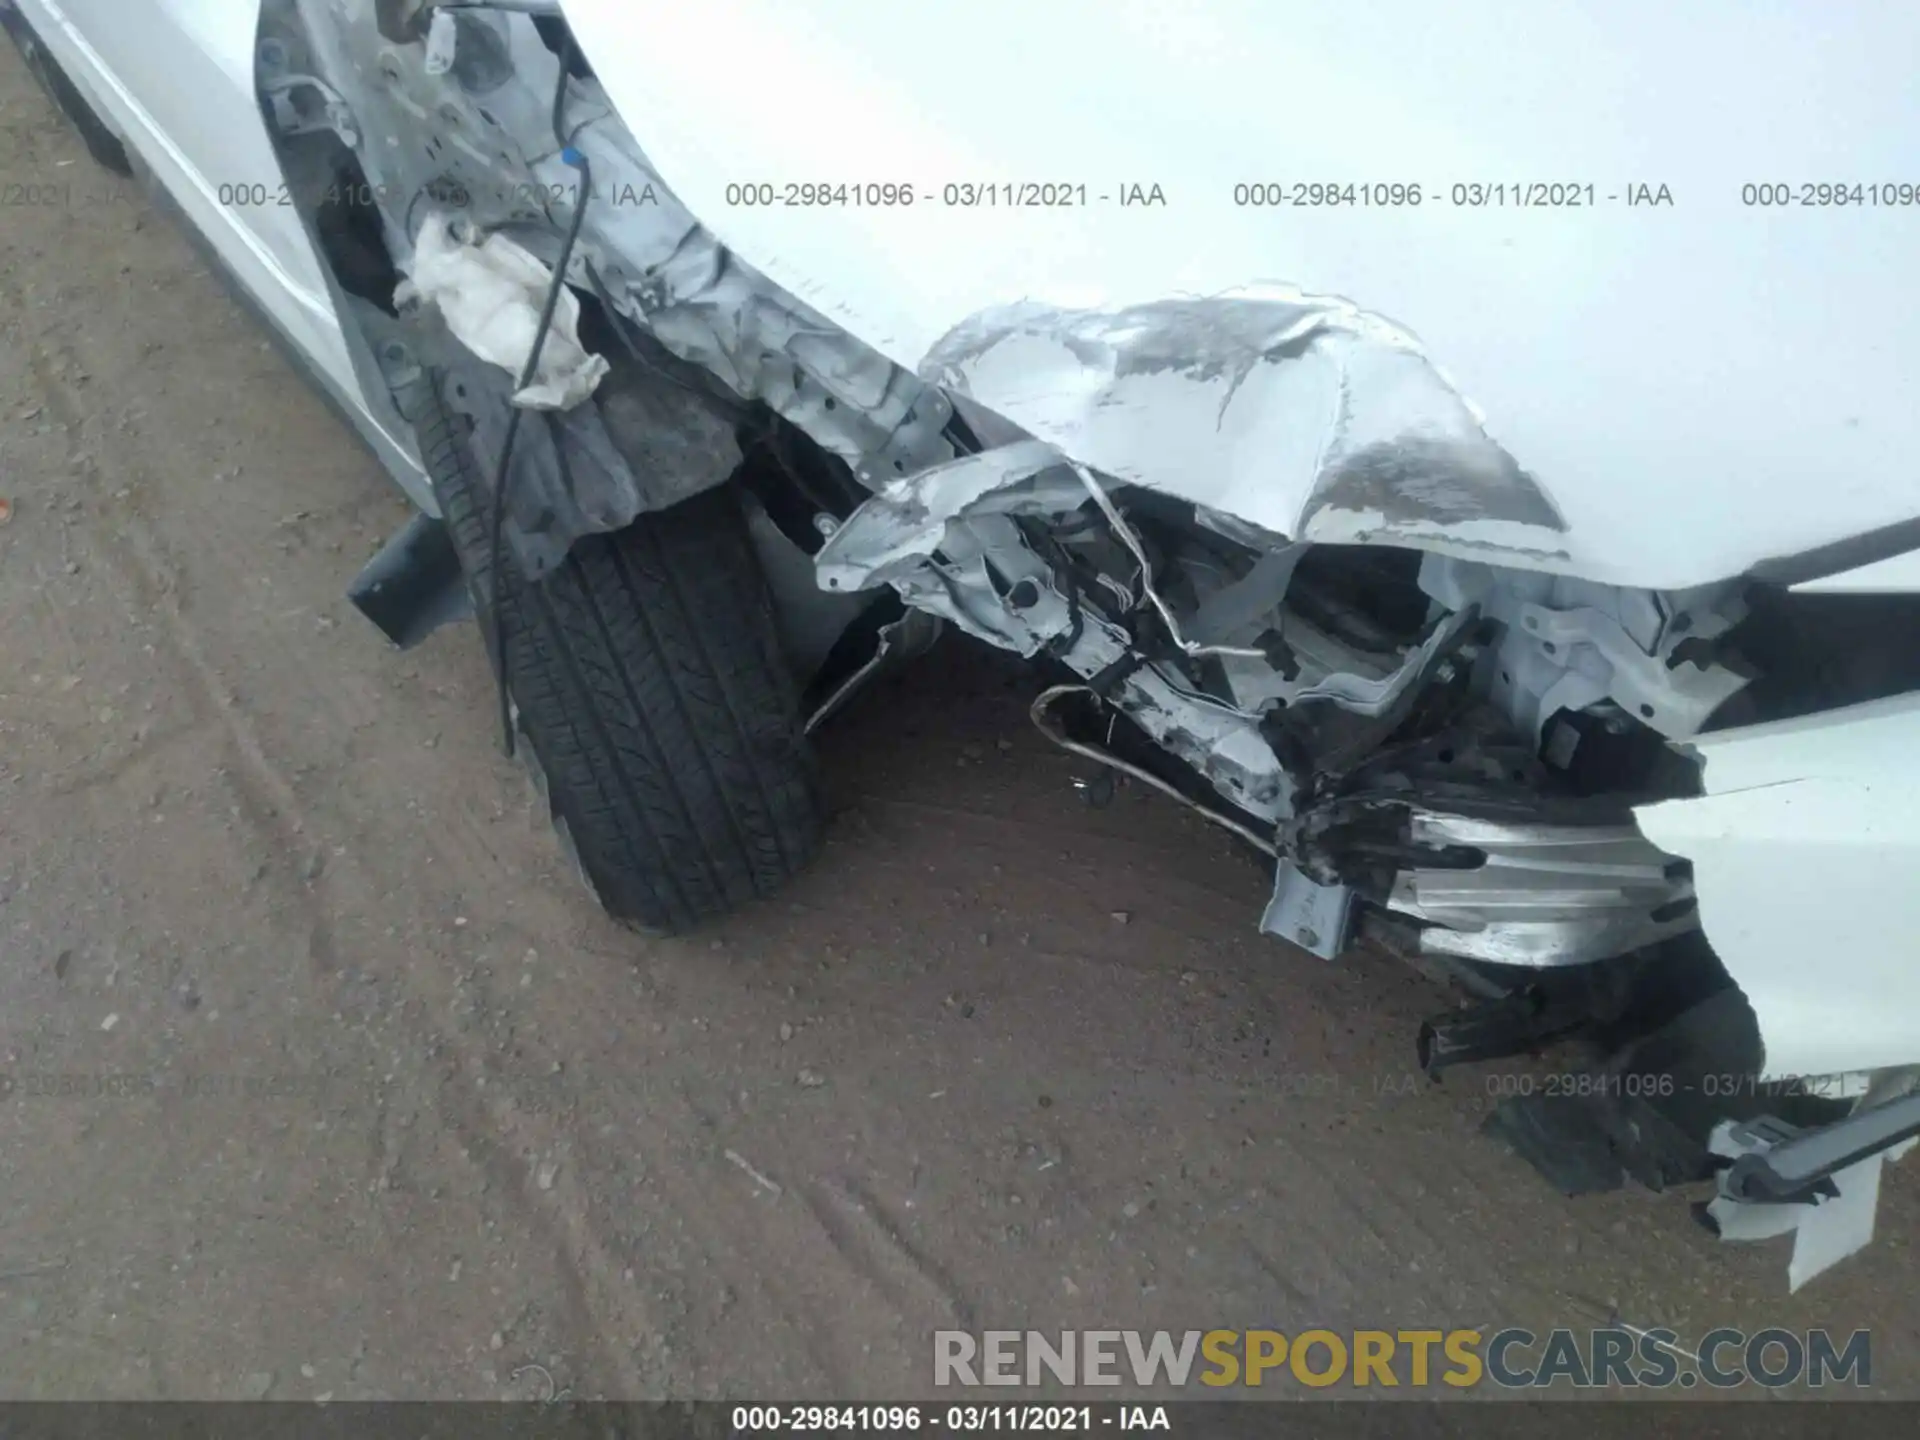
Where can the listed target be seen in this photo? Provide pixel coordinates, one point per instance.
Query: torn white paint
(1302, 414)
(1805, 850)
(491, 296)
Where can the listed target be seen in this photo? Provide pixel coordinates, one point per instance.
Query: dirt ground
(327, 1078)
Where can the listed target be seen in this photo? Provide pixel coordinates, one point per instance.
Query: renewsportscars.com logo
(1512, 1358)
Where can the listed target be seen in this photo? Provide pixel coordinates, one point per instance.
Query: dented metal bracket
(1569, 644)
(302, 104)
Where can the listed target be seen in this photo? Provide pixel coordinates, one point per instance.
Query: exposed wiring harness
(1126, 536)
(1043, 718)
(496, 548)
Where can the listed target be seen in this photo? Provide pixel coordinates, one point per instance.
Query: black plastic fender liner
(566, 479)
(645, 441)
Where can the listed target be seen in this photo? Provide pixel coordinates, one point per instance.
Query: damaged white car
(1459, 450)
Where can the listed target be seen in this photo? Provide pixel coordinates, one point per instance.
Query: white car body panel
(1697, 387)
(1806, 853)
(176, 77)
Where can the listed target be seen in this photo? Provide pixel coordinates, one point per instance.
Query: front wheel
(648, 681)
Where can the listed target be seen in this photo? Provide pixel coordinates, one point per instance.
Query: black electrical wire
(615, 321)
(495, 548)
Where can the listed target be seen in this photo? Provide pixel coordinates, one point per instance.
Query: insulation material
(491, 296)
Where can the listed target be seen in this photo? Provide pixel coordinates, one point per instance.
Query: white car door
(176, 78)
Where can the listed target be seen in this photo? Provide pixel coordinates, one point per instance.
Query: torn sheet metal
(1303, 414)
(1804, 850)
(949, 541)
(492, 296)
(985, 579)
(1317, 917)
(891, 535)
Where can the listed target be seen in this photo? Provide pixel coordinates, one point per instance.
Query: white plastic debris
(443, 42)
(1824, 1233)
(491, 296)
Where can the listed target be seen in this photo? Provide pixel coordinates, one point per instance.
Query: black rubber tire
(650, 686)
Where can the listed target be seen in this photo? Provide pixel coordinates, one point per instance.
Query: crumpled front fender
(1304, 415)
